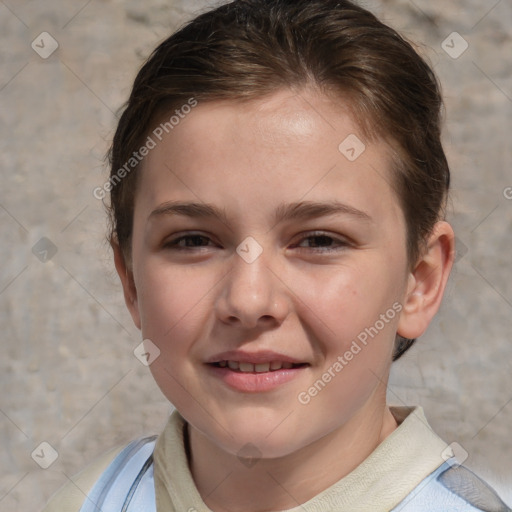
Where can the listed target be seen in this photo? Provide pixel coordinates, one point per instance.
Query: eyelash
(173, 244)
(337, 243)
(340, 243)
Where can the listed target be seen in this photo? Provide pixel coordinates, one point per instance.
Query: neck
(285, 482)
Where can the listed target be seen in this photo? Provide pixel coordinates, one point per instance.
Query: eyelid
(341, 241)
(322, 232)
(172, 241)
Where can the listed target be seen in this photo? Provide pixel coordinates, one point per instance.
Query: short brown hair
(246, 49)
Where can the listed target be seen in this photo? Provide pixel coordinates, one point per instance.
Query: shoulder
(454, 488)
(71, 495)
(108, 479)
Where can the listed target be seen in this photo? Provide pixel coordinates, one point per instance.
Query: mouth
(255, 372)
(247, 367)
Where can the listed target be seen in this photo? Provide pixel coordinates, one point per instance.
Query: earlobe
(427, 282)
(126, 276)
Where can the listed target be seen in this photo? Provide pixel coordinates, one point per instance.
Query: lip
(254, 382)
(262, 356)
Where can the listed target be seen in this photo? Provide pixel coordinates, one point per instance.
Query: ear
(427, 282)
(126, 275)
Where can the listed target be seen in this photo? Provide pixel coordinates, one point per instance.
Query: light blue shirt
(127, 485)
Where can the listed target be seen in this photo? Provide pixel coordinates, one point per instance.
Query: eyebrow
(189, 210)
(311, 209)
(293, 211)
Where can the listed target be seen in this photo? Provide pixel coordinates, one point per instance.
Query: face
(262, 257)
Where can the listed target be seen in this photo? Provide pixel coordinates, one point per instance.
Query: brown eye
(322, 241)
(189, 242)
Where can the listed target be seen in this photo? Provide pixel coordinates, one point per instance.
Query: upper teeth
(258, 368)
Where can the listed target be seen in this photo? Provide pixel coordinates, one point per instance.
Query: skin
(306, 296)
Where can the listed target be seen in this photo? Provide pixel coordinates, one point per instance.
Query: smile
(261, 377)
(246, 367)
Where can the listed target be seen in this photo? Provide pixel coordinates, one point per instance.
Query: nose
(252, 295)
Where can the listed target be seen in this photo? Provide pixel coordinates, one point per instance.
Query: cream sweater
(379, 483)
(405, 458)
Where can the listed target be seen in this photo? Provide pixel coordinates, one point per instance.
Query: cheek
(353, 321)
(174, 308)
(173, 301)
(342, 302)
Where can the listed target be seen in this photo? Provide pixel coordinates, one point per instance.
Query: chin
(267, 435)
(251, 432)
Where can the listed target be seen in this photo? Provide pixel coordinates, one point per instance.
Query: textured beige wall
(68, 373)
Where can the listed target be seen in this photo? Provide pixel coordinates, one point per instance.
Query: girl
(278, 188)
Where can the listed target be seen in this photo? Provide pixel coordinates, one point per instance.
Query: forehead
(274, 120)
(284, 147)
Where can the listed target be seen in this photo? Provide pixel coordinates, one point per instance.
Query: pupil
(321, 240)
(196, 240)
